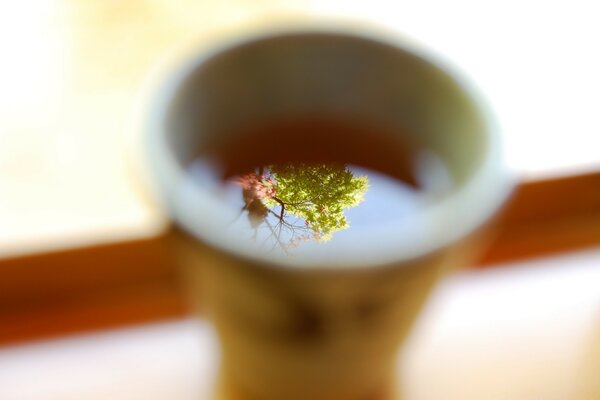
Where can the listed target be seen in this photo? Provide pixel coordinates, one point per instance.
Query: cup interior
(368, 78)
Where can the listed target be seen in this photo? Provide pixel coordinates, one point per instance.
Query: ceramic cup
(326, 327)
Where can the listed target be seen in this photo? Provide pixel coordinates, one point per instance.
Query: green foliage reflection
(304, 201)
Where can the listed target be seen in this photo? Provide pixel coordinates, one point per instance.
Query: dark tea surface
(300, 188)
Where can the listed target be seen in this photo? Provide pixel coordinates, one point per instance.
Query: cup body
(330, 328)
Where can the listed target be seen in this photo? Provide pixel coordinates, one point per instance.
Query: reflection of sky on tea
(387, 202)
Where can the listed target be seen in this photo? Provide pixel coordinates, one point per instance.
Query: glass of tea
(322, 177)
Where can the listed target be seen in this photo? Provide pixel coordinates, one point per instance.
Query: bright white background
(72, 72)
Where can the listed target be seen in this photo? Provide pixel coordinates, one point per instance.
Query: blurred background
(90, 306)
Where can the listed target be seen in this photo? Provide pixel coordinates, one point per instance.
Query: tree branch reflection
(300, 202)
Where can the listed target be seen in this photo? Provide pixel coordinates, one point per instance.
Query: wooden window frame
(109, 285)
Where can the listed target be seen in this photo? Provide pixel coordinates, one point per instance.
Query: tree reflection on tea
(311, 209)
(299, 202)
